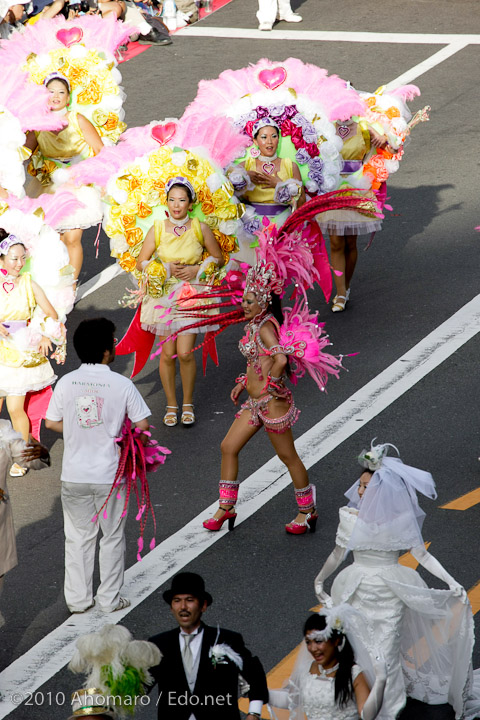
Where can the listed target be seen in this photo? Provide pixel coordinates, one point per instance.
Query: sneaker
(293, 17)
(121, 605)
(265, 26)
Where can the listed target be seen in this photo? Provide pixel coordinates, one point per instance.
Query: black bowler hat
(188, 583)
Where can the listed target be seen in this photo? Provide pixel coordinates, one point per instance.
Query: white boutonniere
(221, 653)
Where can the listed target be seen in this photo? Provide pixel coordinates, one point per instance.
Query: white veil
(344, 619)
(389, 516)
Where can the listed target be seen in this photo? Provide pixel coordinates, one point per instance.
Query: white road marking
(427, 64)
(97, 281)
(327, 36)
(47, 657)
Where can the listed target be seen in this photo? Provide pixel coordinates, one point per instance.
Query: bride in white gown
(331, 679)
(425, 635)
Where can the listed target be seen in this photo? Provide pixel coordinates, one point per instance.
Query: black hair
(183, 187)
(92, 337)
(64, 81)
(3, 234)
(345, 658)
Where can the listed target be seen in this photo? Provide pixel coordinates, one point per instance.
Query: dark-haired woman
(53, 150)
(173, 271)
(327, 682)
(271, 186)
(269, 405)
(24, 364)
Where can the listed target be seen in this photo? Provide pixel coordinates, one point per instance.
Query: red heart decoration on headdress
(163, 133)
(70, 37)
(273, 78)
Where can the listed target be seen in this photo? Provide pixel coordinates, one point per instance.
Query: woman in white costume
(333, 673)
(425, 635)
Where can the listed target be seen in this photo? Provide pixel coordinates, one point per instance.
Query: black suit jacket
(215, 695)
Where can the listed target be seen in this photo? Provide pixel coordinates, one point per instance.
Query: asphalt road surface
(413, 319)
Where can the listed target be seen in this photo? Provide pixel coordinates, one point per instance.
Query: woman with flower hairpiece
(76, 62)
(271, 186)
(170, 262)
(333, 672)
(77, 141)
(425, 635)
(24, 345)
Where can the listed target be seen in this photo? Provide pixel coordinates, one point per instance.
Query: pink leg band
(228, 492)
(304, 498)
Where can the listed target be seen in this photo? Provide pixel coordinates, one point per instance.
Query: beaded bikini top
(251, 345)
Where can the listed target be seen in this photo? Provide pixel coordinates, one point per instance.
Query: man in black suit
(198, 676)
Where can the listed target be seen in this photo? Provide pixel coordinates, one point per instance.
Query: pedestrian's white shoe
(291, 17)
(122, 604)
(264, 26)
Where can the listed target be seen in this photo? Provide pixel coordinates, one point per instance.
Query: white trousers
(268, 10)
(80, 502)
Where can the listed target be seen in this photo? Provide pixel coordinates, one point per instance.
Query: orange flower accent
(127, 262)
(392, 112)
(128, 221)
(371, 101)
(144, 210)
(112, 122)
(226, 242)
(134, 183)
(91, 95)
(133, 236)
(208, 207)
(185, 294)
(159, 186)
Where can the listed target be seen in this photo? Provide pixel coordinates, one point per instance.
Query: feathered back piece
(331, 92)
(26, 101)
(218, 141)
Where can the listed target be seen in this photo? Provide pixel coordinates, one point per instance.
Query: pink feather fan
(96, 33)
(55, 207)
(27, 101)
(331, 92)
(304, 336)
(219, 142)
(405, 92)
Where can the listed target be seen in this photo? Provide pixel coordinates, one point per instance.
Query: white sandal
(170, 418)
(188, 416)
(338, 303)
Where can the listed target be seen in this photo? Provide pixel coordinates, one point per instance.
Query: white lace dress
(425, 635)
(317, 698)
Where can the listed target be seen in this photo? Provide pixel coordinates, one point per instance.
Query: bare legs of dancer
(343, 256)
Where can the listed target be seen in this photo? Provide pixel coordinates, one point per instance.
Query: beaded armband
(242, 380)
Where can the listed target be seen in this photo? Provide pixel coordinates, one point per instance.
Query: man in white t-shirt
(89, 406)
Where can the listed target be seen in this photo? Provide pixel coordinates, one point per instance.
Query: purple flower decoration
(301, 120)
(302, 156)
(262, 112)
(290, 112)
(316, 175)
(276, 110)
(315, 163)
(310, 136)
(252, 225)
(282, 194)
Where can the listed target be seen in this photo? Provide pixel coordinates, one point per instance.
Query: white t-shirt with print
(92, 402)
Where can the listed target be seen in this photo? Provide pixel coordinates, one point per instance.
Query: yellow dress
(164, 290)
(262, 199)
(58, 150)
(352, 222)
(22, 368)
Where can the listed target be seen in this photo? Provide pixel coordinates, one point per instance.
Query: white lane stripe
(41, 662)
(327, 36)
(97, 281)
(427, 65)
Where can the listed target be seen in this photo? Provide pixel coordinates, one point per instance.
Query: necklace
(343, 129)
(268, 163)
(63, 111)
(324, 672)
(180, 225)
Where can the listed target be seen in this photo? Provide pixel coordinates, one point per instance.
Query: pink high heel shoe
(310, 523)
(215, 524)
